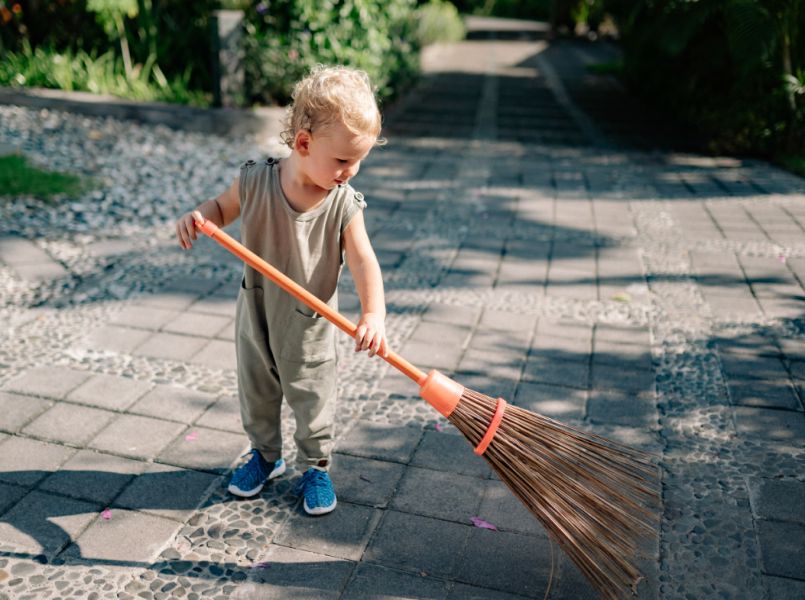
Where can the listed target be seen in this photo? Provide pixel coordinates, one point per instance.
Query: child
(300, 215)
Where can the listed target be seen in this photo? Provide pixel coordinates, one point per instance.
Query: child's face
(333, 154)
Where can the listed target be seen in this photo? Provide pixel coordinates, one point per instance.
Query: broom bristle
(592, 495)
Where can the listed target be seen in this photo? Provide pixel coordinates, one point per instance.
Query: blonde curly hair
(329, 95)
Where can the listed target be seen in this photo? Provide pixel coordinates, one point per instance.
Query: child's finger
(180, 233)
(359, 335)
(374, 348)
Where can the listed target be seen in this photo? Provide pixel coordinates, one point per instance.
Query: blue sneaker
(249, 478)
(318, 491)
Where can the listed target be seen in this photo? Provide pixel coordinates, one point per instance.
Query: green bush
(161, 49)
(104, 74)
(171, 34)
(730, 68)
(438, 21)
(287, 37)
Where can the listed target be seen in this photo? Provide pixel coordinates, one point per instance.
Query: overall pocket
(250, 314)
(308, 338)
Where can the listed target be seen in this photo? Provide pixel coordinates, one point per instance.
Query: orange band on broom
(595, 497)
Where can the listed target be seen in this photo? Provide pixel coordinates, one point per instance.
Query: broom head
(592, 495)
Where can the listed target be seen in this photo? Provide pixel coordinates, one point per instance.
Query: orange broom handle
(301, 294)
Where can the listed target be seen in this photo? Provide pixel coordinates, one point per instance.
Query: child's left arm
(362, 263)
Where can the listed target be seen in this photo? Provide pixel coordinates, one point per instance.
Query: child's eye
(343, 161)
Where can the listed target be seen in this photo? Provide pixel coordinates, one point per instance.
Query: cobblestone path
(539, 241)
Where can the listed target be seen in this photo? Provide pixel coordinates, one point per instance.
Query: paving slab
(417, 544)
(778, 499)
(381, 442)
(10, 495)
(438, 494)
(18, 410)
(136, 437)
(109, 391)
(92, 476)
(216, 354)
(557, 402)
(68, 423)
(502, 508)
(114, 338)
(782, 547)
(508, 562)
(449, 451)
(144, 317)
(24, 461)
(770, 425)
(373, 581)
(342, 535)
(223, 414)
(295, 573)
(165, 491)
(43, 523)
(48, 382)
(204, 449)
(128, 537)
(170, 346)
(365, 481)
(173, 403)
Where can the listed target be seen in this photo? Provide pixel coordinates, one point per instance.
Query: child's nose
(351, 171)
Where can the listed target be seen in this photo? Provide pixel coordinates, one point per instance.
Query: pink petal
(782, 258)
(191, 437)
(261, 565)
(106, 514)
(439, 427)
(480, 523)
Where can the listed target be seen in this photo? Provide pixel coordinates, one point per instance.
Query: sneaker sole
(321, 510)
(279, 469)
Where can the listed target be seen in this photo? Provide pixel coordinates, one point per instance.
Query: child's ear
(301, 142)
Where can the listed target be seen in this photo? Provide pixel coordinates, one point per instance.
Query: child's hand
(186, 228)
(371, 335)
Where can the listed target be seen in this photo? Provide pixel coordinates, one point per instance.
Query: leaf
(481, 524)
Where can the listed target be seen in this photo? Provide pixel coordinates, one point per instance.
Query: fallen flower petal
(191, 437)
(480, 523)
(261, 565)
(106, 514)
(439, 427)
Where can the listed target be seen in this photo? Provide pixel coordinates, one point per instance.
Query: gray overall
(283, 348)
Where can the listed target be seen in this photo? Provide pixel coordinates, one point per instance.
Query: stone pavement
(540, 240)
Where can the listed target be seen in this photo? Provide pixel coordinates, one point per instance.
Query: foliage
(150, 49)
(173, 34)
(610, 68)
(793, 162)
(104, 74)
(287, 37)
(731, 68)
(18, 178)
(515, 9)
(438, 21)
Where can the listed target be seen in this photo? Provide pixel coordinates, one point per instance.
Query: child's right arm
(222, 211)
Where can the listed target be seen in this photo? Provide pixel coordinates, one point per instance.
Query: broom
(592, 495)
